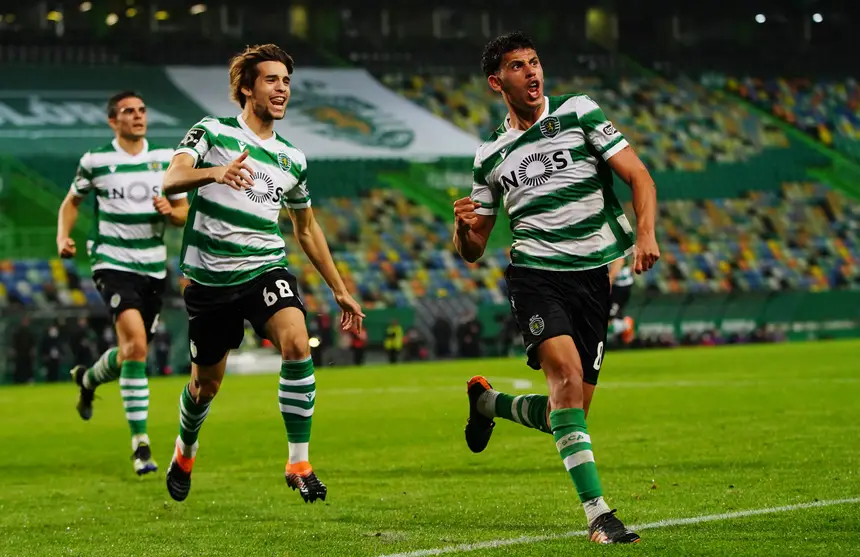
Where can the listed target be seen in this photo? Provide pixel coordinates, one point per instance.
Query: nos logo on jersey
(264, 190)
(535, 169)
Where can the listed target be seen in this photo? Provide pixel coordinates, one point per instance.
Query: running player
(551, 162)
(128, 256)
(621, 279)
(240, 172)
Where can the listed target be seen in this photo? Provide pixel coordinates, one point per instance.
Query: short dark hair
(243, 67)
(114, 100)
(491, 59)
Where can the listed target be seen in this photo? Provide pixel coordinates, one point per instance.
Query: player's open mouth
(279, 101)
(534, 87)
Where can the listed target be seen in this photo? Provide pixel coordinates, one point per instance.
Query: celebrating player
(128, 257)
(239, 173)
(551, 161)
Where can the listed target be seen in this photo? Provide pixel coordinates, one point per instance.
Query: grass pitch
(679, 433)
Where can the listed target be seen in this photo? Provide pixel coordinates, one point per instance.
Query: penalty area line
(492, 544)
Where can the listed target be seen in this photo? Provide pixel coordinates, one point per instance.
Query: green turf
(676, 434)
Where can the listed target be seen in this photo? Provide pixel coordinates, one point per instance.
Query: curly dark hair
(491, 59)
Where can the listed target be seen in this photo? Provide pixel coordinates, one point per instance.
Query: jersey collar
(507, 123)
(119, 149)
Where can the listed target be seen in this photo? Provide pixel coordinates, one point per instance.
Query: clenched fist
(465, 216)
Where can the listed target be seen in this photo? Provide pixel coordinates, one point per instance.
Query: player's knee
(133, 350)
(296, 348)
(207, 388)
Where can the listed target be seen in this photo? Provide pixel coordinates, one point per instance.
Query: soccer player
(240, 172)
(621, 279)
(128, 256)
(551, 163)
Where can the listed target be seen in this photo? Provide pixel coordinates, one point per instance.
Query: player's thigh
(539, 309)
(215, 324)
(589, 307)
(559, 359)
(131, 335)
(275, 310)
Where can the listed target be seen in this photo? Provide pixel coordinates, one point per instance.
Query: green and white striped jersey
(128, 233)
(556, 187)
(624, 277)
(232, 236)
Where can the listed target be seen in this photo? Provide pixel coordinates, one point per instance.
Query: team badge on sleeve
(192, 138)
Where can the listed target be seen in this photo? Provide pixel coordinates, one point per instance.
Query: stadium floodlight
(817, 18)
(197, 9)
(111, 19)
(54, 16)
(759, 18)
(161, 15)
(131, 12)
(85, 6)
(313, 342)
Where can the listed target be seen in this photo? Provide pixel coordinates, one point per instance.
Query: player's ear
(495, 83)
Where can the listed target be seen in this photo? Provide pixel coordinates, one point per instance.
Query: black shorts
(618, 301)
(122, 290)
(548, 304)
(216, 315)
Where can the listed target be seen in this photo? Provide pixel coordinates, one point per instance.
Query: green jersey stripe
(303, 404)
(229, 278)
(223, 248)
(144, 268)
(557, 199)
(142, 243)
(568, 262)
(97, 171)
(592, 120)
(576, 231)
(257, 153)
(131, 218)
(236, 217)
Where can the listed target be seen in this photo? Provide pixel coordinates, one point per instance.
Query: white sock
(299, 452)
(188, 451)
(487, 403)
(594, 508)
(136, 440)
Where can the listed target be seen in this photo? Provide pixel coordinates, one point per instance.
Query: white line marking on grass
(648, 526)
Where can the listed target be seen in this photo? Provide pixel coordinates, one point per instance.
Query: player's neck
(524, 118)
(263, 129)
(130, 146)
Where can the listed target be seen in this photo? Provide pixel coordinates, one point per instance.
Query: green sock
(191, 416)
(528, 410)
(296, 395)
(574, 446)
(134, 388)
(105, 370)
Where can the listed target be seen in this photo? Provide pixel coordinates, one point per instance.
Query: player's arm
(310, 236)
(70, 208)
(183, 175)
(615, 150)
(474, 216)
(175, 208)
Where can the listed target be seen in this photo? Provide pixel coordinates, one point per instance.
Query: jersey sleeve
(299, 197)
(83, 182)
(601, 134)
(482, 191)
(196, 142)
(176, 196)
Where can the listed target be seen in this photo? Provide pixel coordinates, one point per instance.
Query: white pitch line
(648, 526)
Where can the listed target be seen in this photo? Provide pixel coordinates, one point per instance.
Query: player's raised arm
(182, 176)
(310, 236)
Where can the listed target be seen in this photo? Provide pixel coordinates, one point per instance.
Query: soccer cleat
(301, 476)
(85, 396)
(479, 428)
(179, 476)
(629, 332)
(142, 457)
(607, 528)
